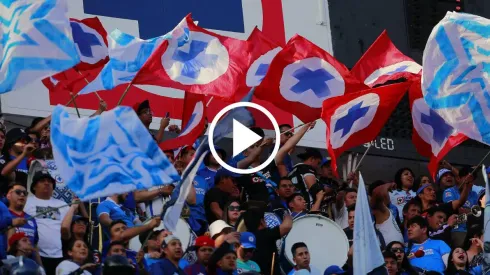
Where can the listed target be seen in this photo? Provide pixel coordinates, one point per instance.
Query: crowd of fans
(418, 222)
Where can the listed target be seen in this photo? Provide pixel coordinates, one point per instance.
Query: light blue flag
(486, 223)
(108, 154)
(35, 41)
(456, 69)
(367, 252)
(127, 54)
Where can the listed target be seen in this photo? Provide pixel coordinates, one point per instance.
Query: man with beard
(172, 248)
(204, 249)
(301, 257)
(284, 191)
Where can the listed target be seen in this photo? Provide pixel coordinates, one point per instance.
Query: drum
(61, 192)
(326, 241)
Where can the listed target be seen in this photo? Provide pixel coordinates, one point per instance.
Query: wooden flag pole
(75, 104)
(86, 80)
(124, 94)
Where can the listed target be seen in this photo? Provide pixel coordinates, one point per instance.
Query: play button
(243, 137)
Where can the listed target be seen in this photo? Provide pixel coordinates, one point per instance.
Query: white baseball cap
(217, 227)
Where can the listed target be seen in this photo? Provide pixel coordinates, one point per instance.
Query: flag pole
(360, 161)
(125, 92)
(301, 125)
(86, 80)
(210, 100)
(474, 169)
(75, 104)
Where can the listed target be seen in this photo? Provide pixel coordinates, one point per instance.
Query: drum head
(183, 232)
(326, 241)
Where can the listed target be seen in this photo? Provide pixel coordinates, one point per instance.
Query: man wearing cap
(426, 194)
(17, 198)
(446, 179)
(245, 253)
(215, 199)
(20, 147)
(218, 230)
(454, 193)
(49, 214)
(145, 114)
(20, 245)
(333, 270)
(172, 248)
(204, 248)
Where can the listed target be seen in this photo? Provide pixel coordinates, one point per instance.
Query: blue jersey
(30, 228)
(197, 210)
(208, 175)
(452, 194)
(116, 212)
(22, 166)
(432, 259)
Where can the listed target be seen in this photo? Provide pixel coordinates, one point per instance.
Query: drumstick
(273, 261)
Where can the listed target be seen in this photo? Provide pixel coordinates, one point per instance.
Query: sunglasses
(397, 250)
(234, 208)
(249, 250)
(288, 134)
(20, 192)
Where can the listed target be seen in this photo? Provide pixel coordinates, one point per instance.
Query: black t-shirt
(255, 185)
(266, 246)
(214, 195)
(297, 176)
(445, 207)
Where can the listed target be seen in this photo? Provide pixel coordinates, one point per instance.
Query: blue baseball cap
(333, 269)
(487, 170)
(442, 172)
(247, 240)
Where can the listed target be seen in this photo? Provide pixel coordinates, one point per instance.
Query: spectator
(78, 262)
(18, 148)
(204, 248)
(112, 209)
(297, 204)
(218, 231)
(474, 245)
(286, 134)
(153, 249)
(266, 237)
(435, 252)
(403, 192)
(304, 175)
(197, 219)
(327, 175)
(445, 179)
(301, 257)
(345, 199)
(49, 213)
(349, 230)
(458, 263)
(74, 227)
(20, 245)
(216, 198)
(245, 253)
(17, 198)
(385, 220)
(119, 265)
(223, 260)
(411, 209)
(211, 166)
(232, 213)
(284, 191)
(390, 263)
(404, 266)
(439, 229)
(422, 180)
(172, 248)
(454, 193)
(333, 270)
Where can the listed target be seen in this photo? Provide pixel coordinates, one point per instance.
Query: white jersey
(390, 230)
(399, 198)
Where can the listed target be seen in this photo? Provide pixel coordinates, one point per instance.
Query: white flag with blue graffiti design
(35, 41)
(108, 154)
(456, 71)
(127, 54)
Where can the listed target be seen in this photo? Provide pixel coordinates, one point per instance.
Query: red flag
(199, 61)
(383, 62)
(431, 135)
(357, 118)
(302, 76)
(90, 37)
(193, 122)
(262, 52)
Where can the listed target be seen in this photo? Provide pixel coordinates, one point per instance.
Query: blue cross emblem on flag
(311, 81)
(260, 67)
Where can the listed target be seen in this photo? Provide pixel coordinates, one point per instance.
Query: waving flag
(431, 135)
(367, 252)
(302, 76)
(383, 62)
(455, 76)
(36, 42)
(357, 118)
(193, 120)
(90, 38)
(108, 154)
(486, 223)
(207, 63)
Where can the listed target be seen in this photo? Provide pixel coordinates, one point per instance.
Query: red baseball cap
(16, 237)
(204, 241)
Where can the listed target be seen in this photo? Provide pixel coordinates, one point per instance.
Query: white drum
(326, 241)
(61, 192)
